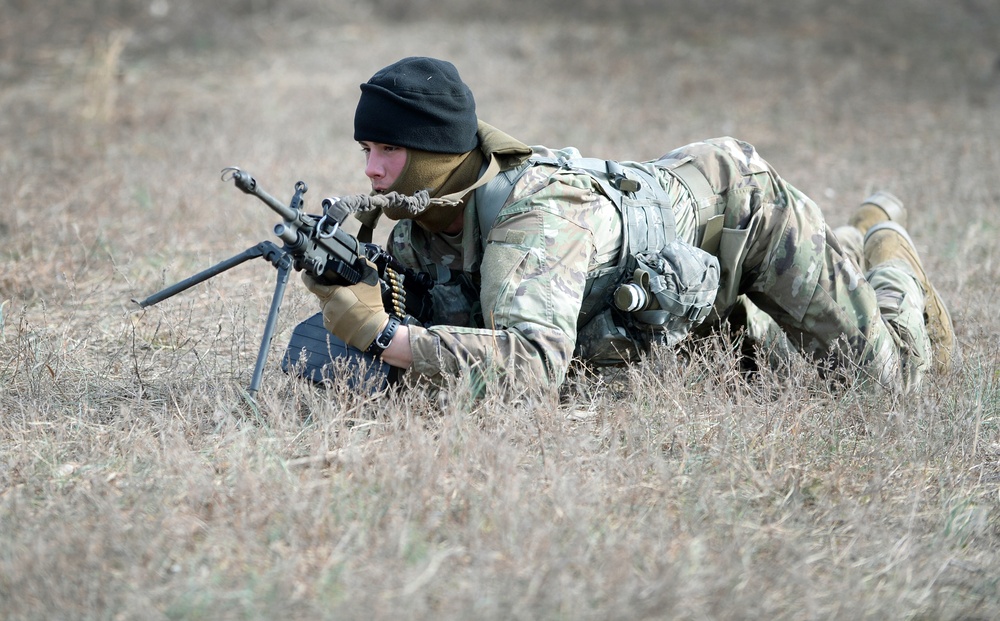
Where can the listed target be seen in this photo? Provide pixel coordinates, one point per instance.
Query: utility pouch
(670, 291)
(603, 342)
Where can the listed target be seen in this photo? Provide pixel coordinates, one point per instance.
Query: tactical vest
(682, 278)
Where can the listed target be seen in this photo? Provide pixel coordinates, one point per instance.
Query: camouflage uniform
(512, 301)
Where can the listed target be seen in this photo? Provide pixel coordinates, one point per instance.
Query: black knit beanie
(418, 103)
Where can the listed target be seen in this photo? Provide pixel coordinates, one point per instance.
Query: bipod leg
(260, 250)
(283, 263)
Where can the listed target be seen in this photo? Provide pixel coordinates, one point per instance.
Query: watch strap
(384, 337)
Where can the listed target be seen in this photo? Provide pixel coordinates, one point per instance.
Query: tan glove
(354, 313)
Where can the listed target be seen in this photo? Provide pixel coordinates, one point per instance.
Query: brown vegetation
(136, 481)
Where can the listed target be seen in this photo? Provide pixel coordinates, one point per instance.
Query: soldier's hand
(354, 313)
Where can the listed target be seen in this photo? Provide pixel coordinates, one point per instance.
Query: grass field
(137, 483)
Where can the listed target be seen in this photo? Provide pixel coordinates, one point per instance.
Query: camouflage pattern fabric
(556, 233)
(511, 303)
(900, 300)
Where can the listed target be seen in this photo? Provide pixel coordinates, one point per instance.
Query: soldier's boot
(878, 207)
(888, 240)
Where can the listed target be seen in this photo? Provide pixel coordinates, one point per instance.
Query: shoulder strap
(492, 168)
(492, 196)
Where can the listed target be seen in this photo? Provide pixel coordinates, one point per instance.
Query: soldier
(542, 256)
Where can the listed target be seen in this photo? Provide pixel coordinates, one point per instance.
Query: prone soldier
(542, 256)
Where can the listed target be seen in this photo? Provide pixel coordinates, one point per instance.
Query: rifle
(319, 245)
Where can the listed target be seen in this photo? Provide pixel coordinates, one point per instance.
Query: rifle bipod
(279, 258)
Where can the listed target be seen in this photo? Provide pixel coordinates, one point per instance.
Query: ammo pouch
(669, 291)
(666, 295)
(603, 341)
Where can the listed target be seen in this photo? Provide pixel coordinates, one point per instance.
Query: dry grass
(136, 481)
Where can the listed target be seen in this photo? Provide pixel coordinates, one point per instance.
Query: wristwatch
(385, 337)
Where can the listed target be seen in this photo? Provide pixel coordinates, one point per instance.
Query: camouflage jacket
(511, 302)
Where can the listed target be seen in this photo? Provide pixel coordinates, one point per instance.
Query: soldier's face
(383, 163)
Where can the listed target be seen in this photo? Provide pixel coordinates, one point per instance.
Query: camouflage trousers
(804, 286)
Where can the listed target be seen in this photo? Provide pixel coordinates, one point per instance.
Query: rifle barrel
(286, 212)
(245, 182)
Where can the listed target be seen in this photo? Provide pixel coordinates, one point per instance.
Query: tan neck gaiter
(440, 174)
